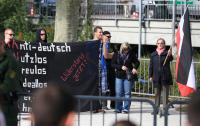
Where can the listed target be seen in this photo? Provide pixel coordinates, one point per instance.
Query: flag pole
(173, 30)
(167, 56)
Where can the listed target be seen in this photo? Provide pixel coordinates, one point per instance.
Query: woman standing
(124, 61)
(160, 73)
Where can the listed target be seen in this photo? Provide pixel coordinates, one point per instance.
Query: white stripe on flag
(191, 78)
(181, 35)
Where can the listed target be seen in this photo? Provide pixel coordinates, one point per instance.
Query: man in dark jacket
(160, 73)
(103, 54)
(10, 42)
(110, 71)
(8, 85)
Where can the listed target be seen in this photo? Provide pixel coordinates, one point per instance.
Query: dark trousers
(104, 102)
(112, 93)
(111, 81)
(165, 93)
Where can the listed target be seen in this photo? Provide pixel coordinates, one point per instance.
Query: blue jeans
(123, 89)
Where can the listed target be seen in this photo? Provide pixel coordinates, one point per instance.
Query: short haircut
(7, 29)
(97, 27)
(50, 105)
(106, 32)
(194, 109)
(124, 123)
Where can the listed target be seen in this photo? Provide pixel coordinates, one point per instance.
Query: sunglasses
(10, 34)
(109, 36)
(42, 34)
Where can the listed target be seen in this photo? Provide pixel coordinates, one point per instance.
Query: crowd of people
(117, 73)
(114, 67)
(124, 64)
(10, 75)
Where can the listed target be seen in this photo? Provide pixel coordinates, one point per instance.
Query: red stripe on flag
(178, 39)
(185, 90)
(177, 63)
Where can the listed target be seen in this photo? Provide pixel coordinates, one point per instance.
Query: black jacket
(160, 74)
(118, 61)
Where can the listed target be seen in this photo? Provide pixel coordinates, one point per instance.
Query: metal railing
(144, 87)
(122, 9)
(143, 112)
(40, 10)
(140, 108)
(181, 109)
(151, 9)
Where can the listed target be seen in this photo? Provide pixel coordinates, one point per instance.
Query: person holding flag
(185, 76)
(160, 73)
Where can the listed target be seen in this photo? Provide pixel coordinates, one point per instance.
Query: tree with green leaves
(13, 15)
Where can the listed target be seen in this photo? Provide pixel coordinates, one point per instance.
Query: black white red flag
(185, 75)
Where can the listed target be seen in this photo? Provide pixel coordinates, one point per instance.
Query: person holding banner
(8, 37)
(41, 36)
(103, 55)
(8, 85)
(98, 32)
(97, 36)
(160, 73)
(10, 42)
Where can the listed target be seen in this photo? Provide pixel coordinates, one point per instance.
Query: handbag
(129, 75)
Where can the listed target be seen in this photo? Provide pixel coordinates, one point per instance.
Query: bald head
(8, 34)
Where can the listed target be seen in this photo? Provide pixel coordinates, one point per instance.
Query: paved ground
(144, 118)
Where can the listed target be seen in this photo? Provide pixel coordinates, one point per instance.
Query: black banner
(74, 65)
